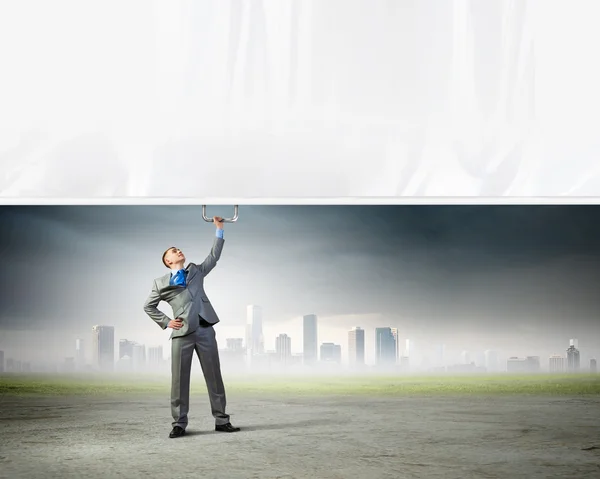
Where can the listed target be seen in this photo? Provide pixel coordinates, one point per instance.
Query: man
(194, 318)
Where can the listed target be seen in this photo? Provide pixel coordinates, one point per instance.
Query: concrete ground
(329, 437)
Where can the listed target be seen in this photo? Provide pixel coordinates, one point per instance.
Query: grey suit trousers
(203, 341)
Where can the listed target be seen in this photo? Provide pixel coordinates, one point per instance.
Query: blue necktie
(178, 279)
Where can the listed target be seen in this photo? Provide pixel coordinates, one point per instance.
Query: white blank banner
(299, 98)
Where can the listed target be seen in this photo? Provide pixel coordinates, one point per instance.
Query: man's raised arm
(215, 253)
(151, 309)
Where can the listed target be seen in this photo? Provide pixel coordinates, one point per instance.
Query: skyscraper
(385, 347)
(530, 364)
(155, 356)
(397, 341)
(310, 347)
(440, 355)
(573, 357)
(491, 361)
(356, 346)
(593, 366)
(254, 331)
(104, 347)
(79, 353)
(556, 364)
(138, 357)
(408, 346)
(465, 357)
(126, 348)
(331, 352)
(283, 347)
(235, 344)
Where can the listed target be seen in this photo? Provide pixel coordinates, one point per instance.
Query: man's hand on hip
(175, 324)
(218, 222)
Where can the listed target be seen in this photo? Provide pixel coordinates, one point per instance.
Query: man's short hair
(165, 254)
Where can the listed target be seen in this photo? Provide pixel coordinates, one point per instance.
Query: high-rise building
(397, 342)
(138, 357)
(254, 330)
(491, 361)
(573, 357)
(593, 366)
(331, 352)
(283, 348)
(104, 347)
(1, 361)
(126, 348)
(516, 365)
(385, 347)
(309, 339)
(356, 346)
(155, 356)
(408, 347)
(530, 364)
(10, 365)
(440, 355)
(465, 357)
(556, 364)
(79, 353)
(533, 364)
(235, 344)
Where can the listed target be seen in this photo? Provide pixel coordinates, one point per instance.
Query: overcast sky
(520, 279)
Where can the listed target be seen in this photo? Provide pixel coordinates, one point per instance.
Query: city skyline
(132, 356)
(513, 278)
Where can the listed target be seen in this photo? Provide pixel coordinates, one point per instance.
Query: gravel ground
(327, 437)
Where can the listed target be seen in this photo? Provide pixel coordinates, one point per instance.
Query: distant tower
(440, 355)
(254, 330)
(79, 353)
(104, 347)
(235, 344)
(283, 347)
(397, 342)
(556, 364)
(331, 352)
(573, 357)
(465, 357)
(491, 360)
(138, 357)
(310, 346)
(385, 347)
(356, 346)
(125, 348)
(155, 356)
(593, 366)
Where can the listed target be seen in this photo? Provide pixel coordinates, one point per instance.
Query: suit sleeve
(211, 260)
(151, 309)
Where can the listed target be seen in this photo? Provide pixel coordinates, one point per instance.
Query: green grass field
(575, 385)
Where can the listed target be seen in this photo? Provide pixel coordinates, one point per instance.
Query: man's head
(173, 257)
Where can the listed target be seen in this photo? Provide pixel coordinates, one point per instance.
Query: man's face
(173, 256)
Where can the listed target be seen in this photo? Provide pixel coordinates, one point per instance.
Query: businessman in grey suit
(193, 329)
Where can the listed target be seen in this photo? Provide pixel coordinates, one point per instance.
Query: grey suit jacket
(189, 302)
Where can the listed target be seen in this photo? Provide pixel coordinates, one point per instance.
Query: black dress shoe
(226, 428)
(177, 431)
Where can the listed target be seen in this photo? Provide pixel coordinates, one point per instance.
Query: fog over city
(453, 280)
